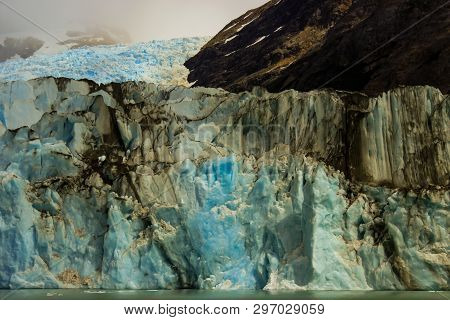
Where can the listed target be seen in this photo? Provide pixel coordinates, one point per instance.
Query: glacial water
(81, 294)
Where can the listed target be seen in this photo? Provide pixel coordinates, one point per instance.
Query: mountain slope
(305, 44)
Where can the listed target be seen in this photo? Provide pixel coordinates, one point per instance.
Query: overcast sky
(142, 19)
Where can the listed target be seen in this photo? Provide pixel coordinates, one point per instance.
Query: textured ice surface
(155, 61)
(144, 187)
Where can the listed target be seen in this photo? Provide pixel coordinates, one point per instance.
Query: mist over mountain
(143, 20)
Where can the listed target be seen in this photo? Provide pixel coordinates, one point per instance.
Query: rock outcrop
(358, 45)
(23, 48)
(137, 186)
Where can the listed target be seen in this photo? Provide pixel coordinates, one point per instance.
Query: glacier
(142, 186)
(157, 61)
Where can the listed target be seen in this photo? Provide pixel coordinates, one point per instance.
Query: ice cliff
(140, 186)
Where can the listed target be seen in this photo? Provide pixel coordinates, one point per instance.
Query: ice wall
(138, 186)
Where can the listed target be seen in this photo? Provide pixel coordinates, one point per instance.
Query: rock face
(137, 186)
(308, 44)
(23, 48)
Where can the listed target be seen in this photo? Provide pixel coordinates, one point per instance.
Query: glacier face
(158, 61)
(139, 186)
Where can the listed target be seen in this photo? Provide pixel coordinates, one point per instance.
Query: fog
(142, 19)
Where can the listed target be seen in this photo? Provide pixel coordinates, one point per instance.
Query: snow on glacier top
(157, 61)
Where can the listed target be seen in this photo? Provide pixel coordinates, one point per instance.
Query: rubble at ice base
(132, 186)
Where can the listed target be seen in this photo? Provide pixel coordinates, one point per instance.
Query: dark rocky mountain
(24, 48)
(362, 45)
